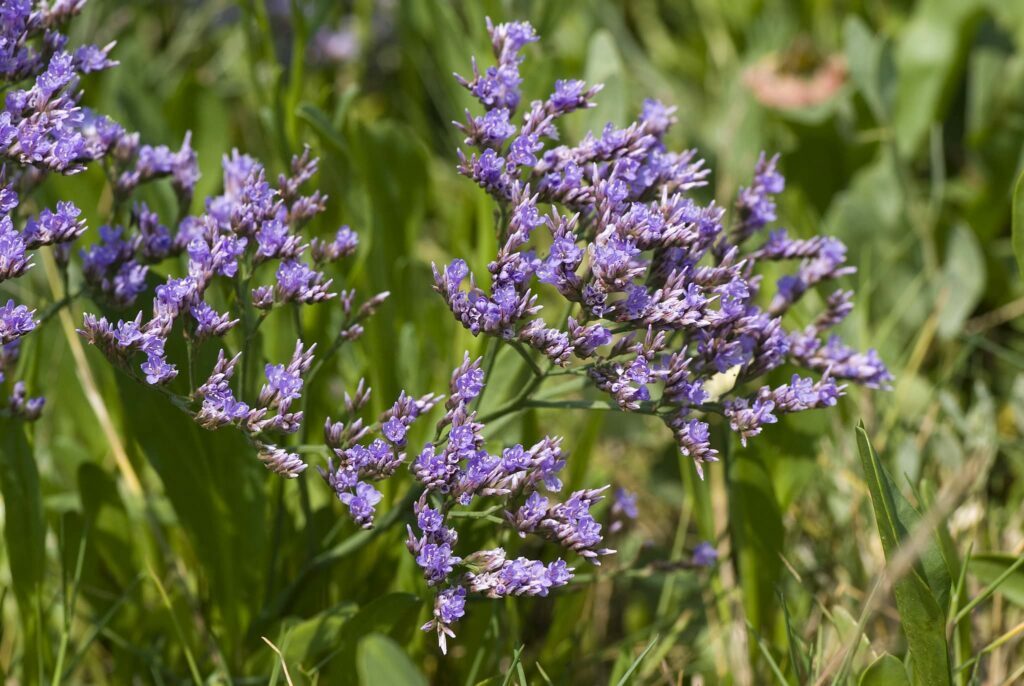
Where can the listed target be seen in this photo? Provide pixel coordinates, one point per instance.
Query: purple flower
(158, 370)
(286, 383)
(344, 244)
(664, 300)
(437, 561)
(297, 282)
(694, 439)
(430, 521)
(494, 126)
(361, 503)
(13, 259)
(515, 459)
(451, 604)
(395, 430)
(449, 607)
(569, 95)
(704, 555)
(15, 321)
(469, 383)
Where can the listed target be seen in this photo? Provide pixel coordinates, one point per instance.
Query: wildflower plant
(453, 473)
(43, 130)
(249, 233)
(667, 312)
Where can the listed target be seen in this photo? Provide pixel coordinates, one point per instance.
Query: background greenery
(142, 549)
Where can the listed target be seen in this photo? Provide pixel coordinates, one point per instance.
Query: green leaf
(1018, 222)
(922, 618)
(864, 55)
(24, 535)
(963, 281)
(636, 663)
(887, 670)
(323, 126)
(111, 532)
(990, 566)
(381, 662)
(928, 56)
(310, 641)
(393, 614)
(217, 488)
(756, 525)
(604, 65)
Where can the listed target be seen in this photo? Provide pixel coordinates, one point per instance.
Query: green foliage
(917, 589)
(885, 671)
(24, 537)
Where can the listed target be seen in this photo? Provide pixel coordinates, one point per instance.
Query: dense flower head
(454, 472)
(667, 305)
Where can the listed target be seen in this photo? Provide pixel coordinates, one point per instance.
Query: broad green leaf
(887, 670)
(986, 78)
(922, 618)
(24, 535)
(111, 533)
(756, 526)
(310, 641)
(963, 281)
(381, 662)
(929, 55)
(393, 614)
(990, 566)
(932, 564)
(217, 488)
(604, 65)
(864, 55)
(1018, 222)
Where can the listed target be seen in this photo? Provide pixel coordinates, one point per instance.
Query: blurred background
(170, 551)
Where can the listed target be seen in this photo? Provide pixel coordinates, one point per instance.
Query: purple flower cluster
(43, 129)
(250, 224)
(360, 464)
(669, 316)
(42, 124)
(455, 471)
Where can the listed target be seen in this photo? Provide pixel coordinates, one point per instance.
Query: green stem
(489, 357)
(55, 307)
(518, 347)
(190, 361)
(517, 403)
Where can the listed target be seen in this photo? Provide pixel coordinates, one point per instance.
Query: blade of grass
(96, 628)
(193, 668)
(1018, 222)
(624, 679)
(767, 653)
(988, 590)
(512, 668)
(919, 610)
(69, 610)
